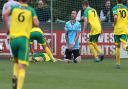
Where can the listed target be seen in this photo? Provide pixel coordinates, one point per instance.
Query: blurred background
(58, 12)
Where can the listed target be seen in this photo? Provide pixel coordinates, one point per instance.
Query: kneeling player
(72, 29)
(37, 34)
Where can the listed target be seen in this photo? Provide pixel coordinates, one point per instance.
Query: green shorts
(94, 38)
(37, 36)
(118, 38)
(20, 49)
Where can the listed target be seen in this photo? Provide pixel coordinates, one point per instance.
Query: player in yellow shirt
(91, 17)
(21, 19)
(37, 34)
(120, 13)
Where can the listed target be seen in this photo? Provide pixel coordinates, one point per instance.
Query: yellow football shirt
(93, 19)
(21, 20)
(122, 19)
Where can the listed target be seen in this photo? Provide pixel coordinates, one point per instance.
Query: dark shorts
(69, 54)
(118, 38)
(94, 38)
(37, 36)
(20, 49)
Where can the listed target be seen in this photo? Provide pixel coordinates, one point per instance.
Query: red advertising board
(57, 39)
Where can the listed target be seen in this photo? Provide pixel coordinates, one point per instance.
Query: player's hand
(71, 46)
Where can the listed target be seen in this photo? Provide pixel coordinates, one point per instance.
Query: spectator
(105, 14)
(43, 12)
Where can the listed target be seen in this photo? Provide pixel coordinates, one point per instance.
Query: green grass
(86, 75)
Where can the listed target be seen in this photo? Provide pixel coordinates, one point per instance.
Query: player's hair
(74, 10)
(119, 1)
(85, 2)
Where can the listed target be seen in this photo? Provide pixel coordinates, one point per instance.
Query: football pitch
(86, 75)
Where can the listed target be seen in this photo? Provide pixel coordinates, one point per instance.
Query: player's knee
(78, 59)
(66, 60)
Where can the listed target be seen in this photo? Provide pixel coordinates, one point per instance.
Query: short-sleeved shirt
(21, 20)
(72, 30)
(8, 5)
(93, 19)
(121, 25)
